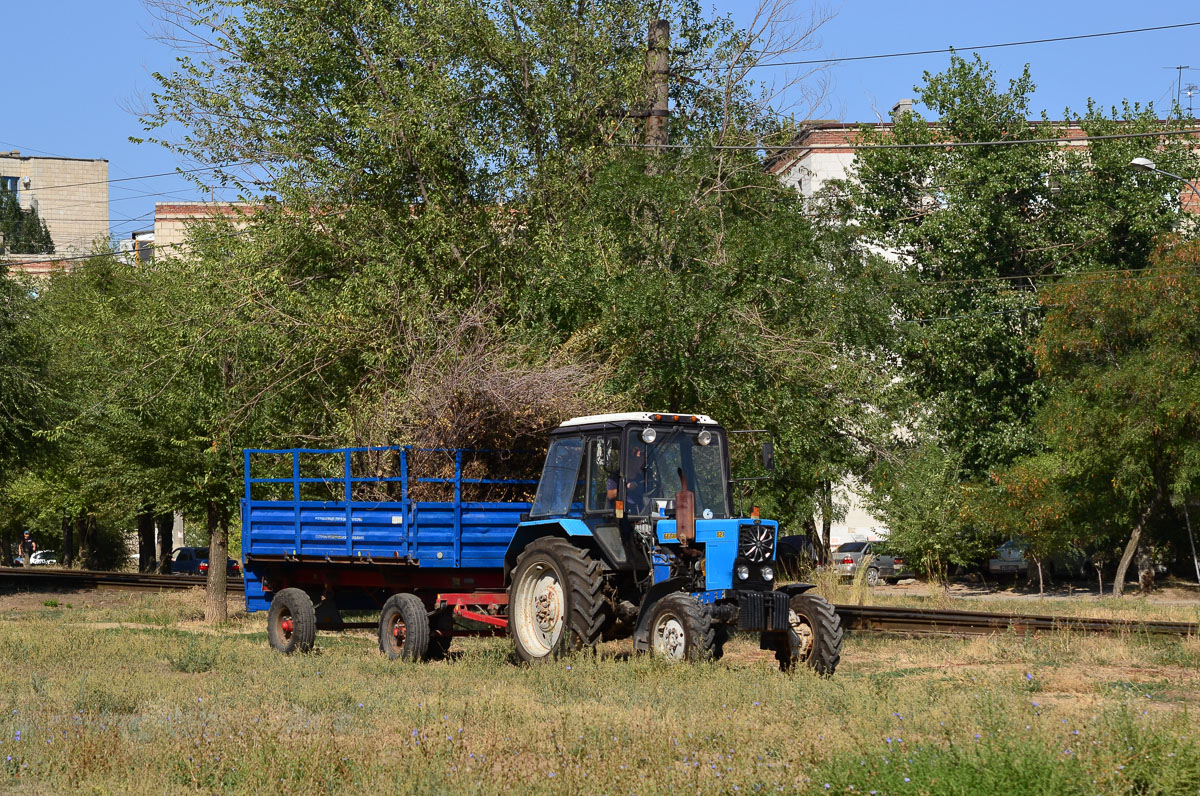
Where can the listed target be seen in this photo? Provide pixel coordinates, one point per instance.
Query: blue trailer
(630, 532)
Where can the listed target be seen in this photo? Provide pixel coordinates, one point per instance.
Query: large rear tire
(292, 622)
(555, 600)
(815, 637)
(681, 630)
(404, 628)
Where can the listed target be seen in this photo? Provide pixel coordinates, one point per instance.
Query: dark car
(194, 561)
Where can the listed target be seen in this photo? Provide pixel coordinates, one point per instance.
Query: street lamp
(1146, 164)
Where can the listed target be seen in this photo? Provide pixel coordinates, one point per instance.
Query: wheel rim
(804, 634)
(872, 577)
(540, 610)
(669, 638)
(285, 624)
(396, 633)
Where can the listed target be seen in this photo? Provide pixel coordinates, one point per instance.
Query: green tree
(424, 162)
(22, 231)
(1120, 352)
(976, 232)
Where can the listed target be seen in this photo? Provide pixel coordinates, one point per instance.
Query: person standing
(26, 549)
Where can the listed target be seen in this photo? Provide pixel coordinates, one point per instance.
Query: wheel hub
(539, 611)
(670, 639)
(286, 626)
(804, 634)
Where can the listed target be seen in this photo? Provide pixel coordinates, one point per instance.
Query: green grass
(175, 707)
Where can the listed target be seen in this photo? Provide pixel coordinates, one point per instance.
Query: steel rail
(31, 577)
(889, 619)
(855, 618)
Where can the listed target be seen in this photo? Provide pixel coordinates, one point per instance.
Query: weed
(50, 603)
(191, 655)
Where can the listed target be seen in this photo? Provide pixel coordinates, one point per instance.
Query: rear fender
(572, 529)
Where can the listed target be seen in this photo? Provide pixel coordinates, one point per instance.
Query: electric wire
(944, 50)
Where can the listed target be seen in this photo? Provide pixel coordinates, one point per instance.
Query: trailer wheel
(441, 628)
(681, 629)
(404, 628)
(291, 622)
(555, 603)
(815, 637)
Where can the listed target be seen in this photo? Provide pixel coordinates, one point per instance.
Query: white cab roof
(640, 417)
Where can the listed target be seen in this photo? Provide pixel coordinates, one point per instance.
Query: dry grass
(89, 705)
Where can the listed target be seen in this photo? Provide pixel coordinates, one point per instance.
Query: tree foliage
(22, 231)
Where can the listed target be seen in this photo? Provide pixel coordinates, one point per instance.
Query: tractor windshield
(652, 471)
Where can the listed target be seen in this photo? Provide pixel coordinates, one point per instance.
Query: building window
(10, 184)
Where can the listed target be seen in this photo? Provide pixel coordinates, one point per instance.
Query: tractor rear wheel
(555, 600)
(404, 628)
(292, 622)
(815, 637)
(681, 629)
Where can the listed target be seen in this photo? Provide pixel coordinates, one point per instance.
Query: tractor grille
(763, 611)
(756, 542)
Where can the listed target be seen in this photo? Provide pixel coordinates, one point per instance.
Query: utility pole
(659, 67)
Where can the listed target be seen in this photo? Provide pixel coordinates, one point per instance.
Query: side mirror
(768, 457)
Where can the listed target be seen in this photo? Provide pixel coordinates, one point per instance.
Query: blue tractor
(632, 532)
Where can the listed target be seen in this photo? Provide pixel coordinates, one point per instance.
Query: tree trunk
(145, 532)
(1100, 578)
(1145, 567)
(1134, 538)
(1041, 578)
(217, 608)
(166, 538)
(85, 529)
(68, 551)
(825, 501)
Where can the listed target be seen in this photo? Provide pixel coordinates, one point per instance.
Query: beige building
(172, 219)
(69, 194)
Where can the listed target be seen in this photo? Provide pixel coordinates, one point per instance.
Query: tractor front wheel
(814, 638)
(681, 629)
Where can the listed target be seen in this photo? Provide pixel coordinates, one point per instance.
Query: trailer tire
(292, 622)
(441, 629)
(555, 600)
(682, 630)
(404, 628)
(815, 637)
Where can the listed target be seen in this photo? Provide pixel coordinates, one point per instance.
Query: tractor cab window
(653, 471)
(604, 473)
(561, 483)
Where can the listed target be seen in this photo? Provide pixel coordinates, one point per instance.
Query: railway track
(855, 618)
(888, 619)
(42, 577)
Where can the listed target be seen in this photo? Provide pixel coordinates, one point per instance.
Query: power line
(138, 177)
(846, 59)
(930, 145)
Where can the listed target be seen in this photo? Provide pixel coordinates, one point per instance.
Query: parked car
(795, 554)
(1009, 559)
(194, 561)
(849, 556)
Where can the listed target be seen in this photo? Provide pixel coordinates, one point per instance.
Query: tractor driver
(635, 484)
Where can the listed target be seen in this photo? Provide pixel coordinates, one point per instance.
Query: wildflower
(1028, 676)
(906, 779)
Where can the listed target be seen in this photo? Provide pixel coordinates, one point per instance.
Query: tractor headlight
(649, 435)
(743, 572)
(768, 573)
(704, 437)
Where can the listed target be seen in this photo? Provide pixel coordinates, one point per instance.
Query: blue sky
(75, 67)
